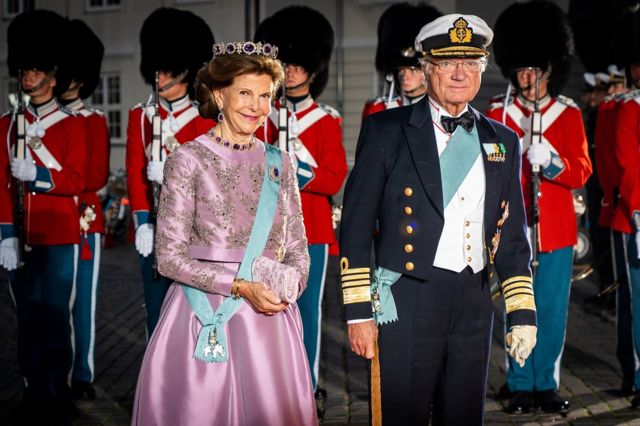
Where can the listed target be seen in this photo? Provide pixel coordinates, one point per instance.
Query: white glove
(540, 154)
(520, 342)
(24, 170)
(144, 239)
(9, 253)
(155, 171)
(638, 243)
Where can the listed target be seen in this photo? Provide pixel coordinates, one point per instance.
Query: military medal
(171, 143)
(375, 302)
(35, 142)
(213, 349)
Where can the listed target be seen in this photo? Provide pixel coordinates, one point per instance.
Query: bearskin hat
(534, 34)
(85, 52)
(173, 40)
(37, 40)
(397, 30)
(304, 37)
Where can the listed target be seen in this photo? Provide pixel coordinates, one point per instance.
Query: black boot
(321, 397)
(520, 403)
(82, 390)
(550, 402)
(635, 401)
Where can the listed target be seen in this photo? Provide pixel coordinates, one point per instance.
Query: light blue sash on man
(212, 341)
(456, 161)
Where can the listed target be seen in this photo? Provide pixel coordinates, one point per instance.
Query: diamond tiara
(245, 48)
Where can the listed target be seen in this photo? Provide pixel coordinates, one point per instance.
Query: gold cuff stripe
(467, 50)
(516, 283)
(356, 295)
(516, 295)
(356, 271)
(516, 278)
(520, 302)
(512, 289)
(355, 277)
(356, 283)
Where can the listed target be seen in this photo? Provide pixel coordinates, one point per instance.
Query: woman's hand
(260, 297)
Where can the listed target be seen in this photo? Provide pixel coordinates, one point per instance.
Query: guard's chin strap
(307, 82)
(47, 78)
(176, 80)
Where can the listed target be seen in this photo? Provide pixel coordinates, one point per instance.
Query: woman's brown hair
(220, 72)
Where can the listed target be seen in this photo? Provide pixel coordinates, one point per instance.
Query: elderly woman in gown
(256, 372)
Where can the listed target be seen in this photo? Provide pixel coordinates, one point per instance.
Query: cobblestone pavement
(590, 372)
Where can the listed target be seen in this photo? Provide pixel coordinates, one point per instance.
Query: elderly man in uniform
(443, 183)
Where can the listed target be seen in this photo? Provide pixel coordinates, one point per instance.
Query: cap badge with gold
(460, 32)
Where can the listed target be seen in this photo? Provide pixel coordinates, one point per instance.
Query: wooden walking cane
(376, 394)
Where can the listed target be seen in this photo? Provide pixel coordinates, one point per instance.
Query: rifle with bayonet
(156, 155)
(20, 152)
(283, 121)
(536, 137)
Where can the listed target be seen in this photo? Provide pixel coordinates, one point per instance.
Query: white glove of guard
(155, 171)
(540, 154)
(9, 253)
(144, 239)
(520, 342)
(638, 243)
(24, 170)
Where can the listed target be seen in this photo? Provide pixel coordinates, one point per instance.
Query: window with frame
(102, 5)
(12, 8)
(107, 97)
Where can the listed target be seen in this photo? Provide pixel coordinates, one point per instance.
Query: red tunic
(379, 104)
(627, 149)
(139, 189)
(323, 141)
(51, 211)
(97, 173)
(565, 133)
(607, 167)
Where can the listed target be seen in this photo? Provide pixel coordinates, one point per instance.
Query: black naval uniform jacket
(395, 190)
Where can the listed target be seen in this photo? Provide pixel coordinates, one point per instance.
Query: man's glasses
(468, 65)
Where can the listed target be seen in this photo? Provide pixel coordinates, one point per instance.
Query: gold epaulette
(356, 283)
(518, 293)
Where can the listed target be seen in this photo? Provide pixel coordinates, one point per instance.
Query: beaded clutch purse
(282, 280)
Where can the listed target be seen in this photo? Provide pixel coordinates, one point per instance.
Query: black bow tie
(450, 123)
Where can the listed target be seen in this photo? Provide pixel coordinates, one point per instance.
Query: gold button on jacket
(408, 210)
(409, 266)
(408, 191)
(408, 248)
(409, 229)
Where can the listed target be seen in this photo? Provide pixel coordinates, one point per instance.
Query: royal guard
(42, 172)
(305, 39)
(174, 45)
(626, 215)
(83, 66)
(555, 161)
(396, 58)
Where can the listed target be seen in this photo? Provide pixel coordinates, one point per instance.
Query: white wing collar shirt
(462, 241)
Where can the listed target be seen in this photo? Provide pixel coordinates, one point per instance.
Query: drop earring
(220, 117)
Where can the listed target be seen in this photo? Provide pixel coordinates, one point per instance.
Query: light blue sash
(456, 161)
(212, 341)
(384, 306)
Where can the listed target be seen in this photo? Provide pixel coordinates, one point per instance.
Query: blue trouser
(84, 311)
(625, 351)
(44, 292)
(551, 287)
(628, 327)
(154, 292)
(310, 305)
